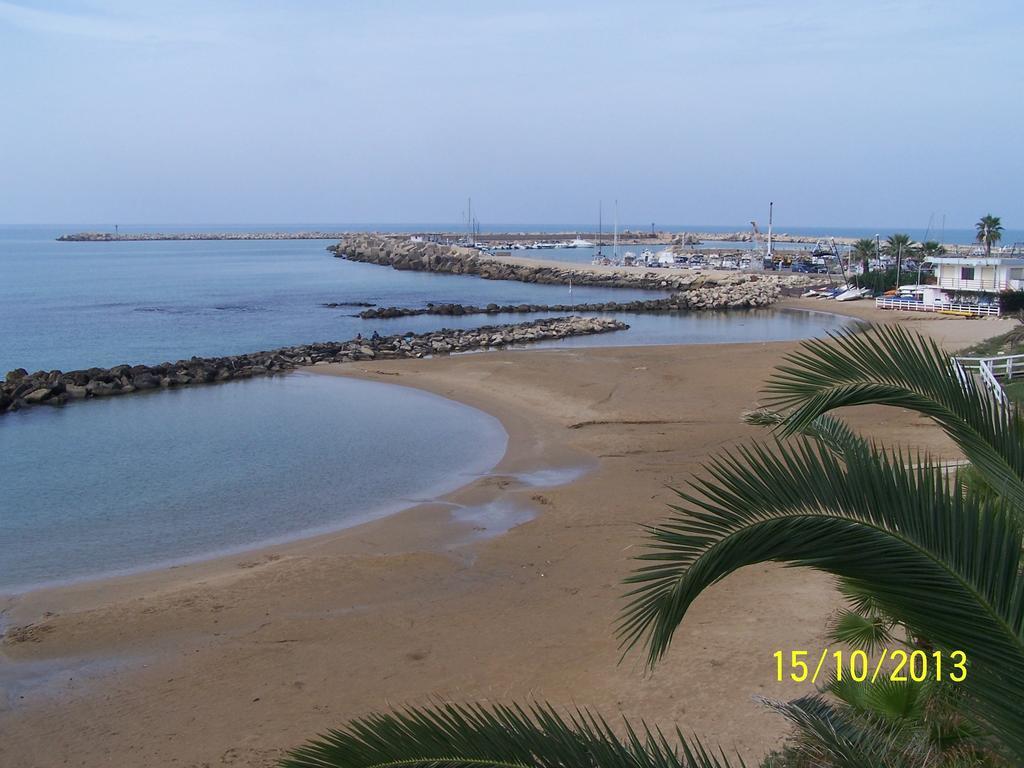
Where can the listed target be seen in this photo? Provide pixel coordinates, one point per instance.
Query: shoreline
(223, 555)
(847, 311)
(436, 494)
(518, 459)
(391, 612)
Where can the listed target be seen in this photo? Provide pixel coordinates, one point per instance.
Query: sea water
(113, 485)
(76, 305)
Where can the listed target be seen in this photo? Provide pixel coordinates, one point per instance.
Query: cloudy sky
(844, 113)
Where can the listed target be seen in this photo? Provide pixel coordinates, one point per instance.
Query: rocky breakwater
(112, 237)
(693, 290)
(751, 294)
(21, 389)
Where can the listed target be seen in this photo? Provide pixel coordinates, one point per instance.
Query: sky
(865, 113)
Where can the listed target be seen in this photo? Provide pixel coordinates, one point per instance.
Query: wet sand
(231, 662)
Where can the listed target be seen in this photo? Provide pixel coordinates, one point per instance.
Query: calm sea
(127, 483)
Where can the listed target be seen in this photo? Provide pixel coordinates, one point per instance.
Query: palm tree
(930, 249)
(899, 246)
(940, 559)
(865, 250)
(990, 231)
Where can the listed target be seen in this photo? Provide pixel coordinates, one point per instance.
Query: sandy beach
(233, 661)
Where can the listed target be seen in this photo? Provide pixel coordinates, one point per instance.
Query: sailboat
(599, 258)
(615, 237)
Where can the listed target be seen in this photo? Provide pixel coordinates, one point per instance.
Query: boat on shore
(853, 294)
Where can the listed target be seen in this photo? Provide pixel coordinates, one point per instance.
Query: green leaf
(868, 633)
(475, 736)
(835, 434)
(826, 736)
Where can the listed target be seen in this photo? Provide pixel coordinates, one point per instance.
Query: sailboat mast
(598, 227)
(615, 238)
(770, 211)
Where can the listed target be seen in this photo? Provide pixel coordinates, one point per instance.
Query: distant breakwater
(108, 237)
(673, 303)
(693, 290)
(21, 389)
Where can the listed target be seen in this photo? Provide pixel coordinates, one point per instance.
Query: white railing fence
(990, 381)
(991, 369)
(1001, 366)
(909, 305)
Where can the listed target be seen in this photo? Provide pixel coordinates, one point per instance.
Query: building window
(966, 273)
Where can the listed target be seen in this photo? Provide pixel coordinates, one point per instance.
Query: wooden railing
(909, 305)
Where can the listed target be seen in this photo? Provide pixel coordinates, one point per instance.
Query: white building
(967, 285)
(978, 275)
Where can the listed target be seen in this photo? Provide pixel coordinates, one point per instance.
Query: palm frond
(859, 595)
(499, 736)
(834, 433)
(865, 631)
(887, 365)
(944, 564)
(826, 736)
(886, 699)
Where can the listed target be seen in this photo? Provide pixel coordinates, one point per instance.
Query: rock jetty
(695, 290)
(699, 298)
(108, 237)
(21, 389)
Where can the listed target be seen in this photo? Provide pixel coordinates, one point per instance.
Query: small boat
(852, 294)
(578, 243)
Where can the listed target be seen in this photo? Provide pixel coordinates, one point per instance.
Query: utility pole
(878, 249)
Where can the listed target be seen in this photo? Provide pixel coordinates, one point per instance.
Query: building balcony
(979, 286)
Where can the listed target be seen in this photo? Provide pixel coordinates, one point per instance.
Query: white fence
(909, 305)
(992, 369)
(1001, 367)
